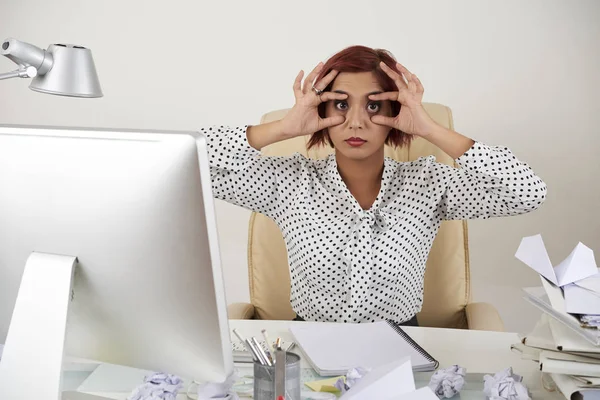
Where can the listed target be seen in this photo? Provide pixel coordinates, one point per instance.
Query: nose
(356, 118)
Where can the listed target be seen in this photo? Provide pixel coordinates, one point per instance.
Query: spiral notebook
(333, 349)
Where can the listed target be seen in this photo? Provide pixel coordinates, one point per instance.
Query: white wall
(522, 74)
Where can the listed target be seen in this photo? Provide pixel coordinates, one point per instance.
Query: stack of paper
(573, 363)
(545, 296)
(566, 341)
(572, 287)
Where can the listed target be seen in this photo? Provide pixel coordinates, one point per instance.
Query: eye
(374, 107)
(341, 105)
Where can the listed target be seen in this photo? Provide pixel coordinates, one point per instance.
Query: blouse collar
(376, 215)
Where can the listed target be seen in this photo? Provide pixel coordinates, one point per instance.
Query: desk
(480, 352)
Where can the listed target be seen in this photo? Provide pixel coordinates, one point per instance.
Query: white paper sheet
(386, 382)
(591, 283)
(581, 301)
(571, 388)
(555, 295)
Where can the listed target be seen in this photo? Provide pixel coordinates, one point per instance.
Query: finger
(420, 88)
(326, 80)
(403, 69)
(384, 96)
(381, 120)
(298, 84)
(391, 73)
(331, 121)
(308, 82)
(412, 86)
(410, 77)
(328, 96)
(396, 77)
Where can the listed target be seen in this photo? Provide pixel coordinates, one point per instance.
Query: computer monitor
(109, 252)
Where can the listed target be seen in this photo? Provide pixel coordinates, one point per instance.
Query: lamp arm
(23, 54)
(23, 72)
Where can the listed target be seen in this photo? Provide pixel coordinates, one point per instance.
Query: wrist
(282, 129)
(431, 131)
(286, 130)
(264, 134)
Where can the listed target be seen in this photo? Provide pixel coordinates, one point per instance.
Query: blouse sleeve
(242, 176)
(491, 182)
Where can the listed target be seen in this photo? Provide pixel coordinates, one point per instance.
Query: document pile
(572, 287)
(566, 340)
(572, 362)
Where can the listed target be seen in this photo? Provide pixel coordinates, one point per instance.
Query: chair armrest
(240, 311)
(483, 317)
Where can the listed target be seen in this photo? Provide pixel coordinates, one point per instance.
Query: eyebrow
(367, 95)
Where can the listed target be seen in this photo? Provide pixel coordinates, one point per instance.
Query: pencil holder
(264, 379)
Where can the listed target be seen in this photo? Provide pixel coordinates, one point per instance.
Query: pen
(278, 343)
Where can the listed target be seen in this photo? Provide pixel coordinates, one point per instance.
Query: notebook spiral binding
(414, 344)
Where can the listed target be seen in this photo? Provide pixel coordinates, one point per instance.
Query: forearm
(262, 135)
(490, 182)
(450, 142)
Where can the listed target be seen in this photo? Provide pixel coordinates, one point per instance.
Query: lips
(355, 141)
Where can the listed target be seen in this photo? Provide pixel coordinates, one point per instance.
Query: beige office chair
(447, 279)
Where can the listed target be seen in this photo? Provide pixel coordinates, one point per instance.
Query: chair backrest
(447, 289)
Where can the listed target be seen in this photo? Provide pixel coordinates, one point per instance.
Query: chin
(357, 154)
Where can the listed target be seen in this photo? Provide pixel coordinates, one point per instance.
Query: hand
(412, 118)
(303, 118)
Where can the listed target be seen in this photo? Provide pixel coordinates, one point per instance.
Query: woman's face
(358, 138)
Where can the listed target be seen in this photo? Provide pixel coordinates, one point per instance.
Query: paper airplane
(577, 275)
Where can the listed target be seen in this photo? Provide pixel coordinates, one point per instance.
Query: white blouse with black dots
(353, 265)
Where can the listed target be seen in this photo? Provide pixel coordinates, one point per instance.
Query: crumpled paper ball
(446, 383)
(158, 386)
(352, 376)
(505, 386)
(218, 390)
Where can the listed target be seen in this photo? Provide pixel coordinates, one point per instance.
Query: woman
(359, 226)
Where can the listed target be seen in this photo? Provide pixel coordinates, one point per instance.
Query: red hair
(362, 59)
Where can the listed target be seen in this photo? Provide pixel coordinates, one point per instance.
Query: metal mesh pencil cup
(264, 379)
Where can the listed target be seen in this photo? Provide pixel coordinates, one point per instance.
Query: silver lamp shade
(73, 73)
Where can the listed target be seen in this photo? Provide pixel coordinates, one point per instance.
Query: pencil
(270, 349)
(256, 352)
(248, 347)
(261, 352)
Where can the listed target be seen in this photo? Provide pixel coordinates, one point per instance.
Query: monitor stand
(32, 361)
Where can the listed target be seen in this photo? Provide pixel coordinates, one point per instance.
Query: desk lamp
(62, 69)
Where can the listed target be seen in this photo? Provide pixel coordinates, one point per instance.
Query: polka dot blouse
(353, 265)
